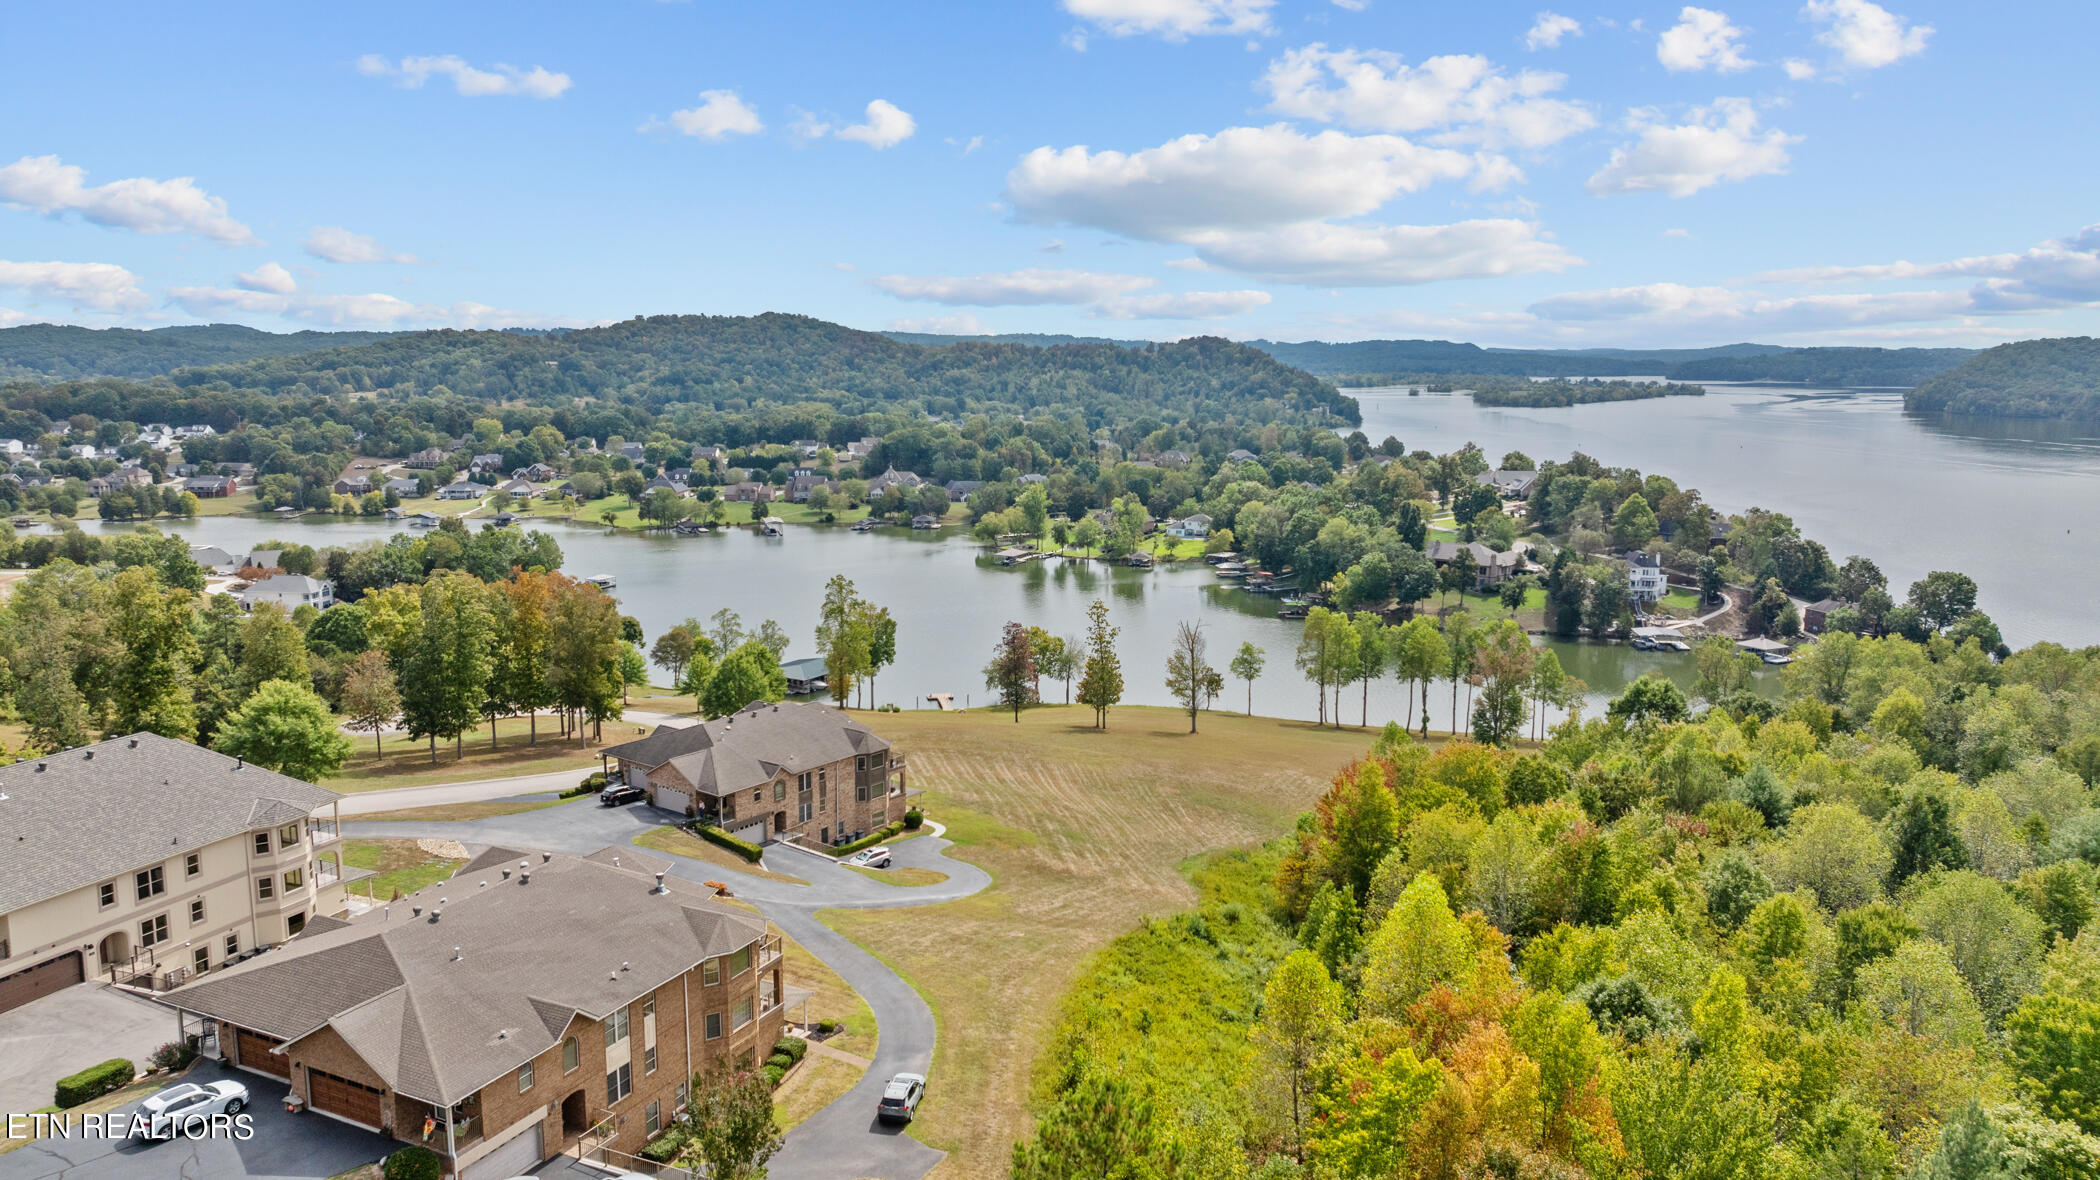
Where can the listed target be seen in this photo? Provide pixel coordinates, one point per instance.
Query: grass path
(679, 842)
(1082, 832)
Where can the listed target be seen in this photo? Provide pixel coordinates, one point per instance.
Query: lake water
(950, 602)
(2013, 504)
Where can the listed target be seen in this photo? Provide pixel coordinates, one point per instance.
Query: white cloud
(1702, 37)
(1240, 178)
(944, 325)
(96, 286)
(720, 115)
(1466, 97)
(9, 317)
(1188, 264)
(1717, 143)
(333, 243)
(1864, 34)
(470, 81)
(270, 278)
(966, 145)
(1546, 32)
(45, 184)
(1031, 287)
(1191, 305)
(349, 311)
(1677, 233)
(886, 126)
(1325, 254)
(1797, 69)
(2063, 272)
(1172, 19)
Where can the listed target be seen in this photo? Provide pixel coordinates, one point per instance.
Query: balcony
(324, 833)
(768, 951)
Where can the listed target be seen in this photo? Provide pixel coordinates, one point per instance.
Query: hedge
(794, 1047)
(743, 848)
(413, 1163)
(93, 1082)
(773, 1075)
(870, 840)
(665, 1147)
(782, 1061)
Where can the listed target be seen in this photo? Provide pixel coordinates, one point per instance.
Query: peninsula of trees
(2030, 379)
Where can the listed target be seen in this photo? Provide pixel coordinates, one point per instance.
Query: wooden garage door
(340, 1096)
(253, 1051)
(41, 980)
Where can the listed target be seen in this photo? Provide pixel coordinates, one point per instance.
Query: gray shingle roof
(746, 748)
(583, 936)
(89, 814)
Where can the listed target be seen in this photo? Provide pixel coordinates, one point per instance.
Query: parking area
(67, 1031)
(283, 1147)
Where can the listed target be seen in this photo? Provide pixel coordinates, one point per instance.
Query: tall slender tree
(1187, 673)
(444, 675)
(1247, 664)
(1011, 674)
(1101, 686)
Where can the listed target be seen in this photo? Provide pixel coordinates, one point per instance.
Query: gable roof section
(748, 747)
(581, 937)
(85, 815)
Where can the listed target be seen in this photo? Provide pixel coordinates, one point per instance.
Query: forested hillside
(1828, 366)
(62, 351)
(2030, 379)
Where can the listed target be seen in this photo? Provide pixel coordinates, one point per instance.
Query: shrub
(914, 818)
(93, 1082)
(592, 783)
(870, 840)
(413, 1163)
(828, 1026)
(773, 1075)
(173, 1055)
(717, 836)
(781, 1062)
(794, 1047)
(665, 1147)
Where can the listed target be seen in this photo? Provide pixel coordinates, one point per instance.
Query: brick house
(532, 1004)
(1492, 567)
(771, 770)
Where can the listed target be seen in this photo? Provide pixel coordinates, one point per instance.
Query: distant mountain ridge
(2056, 378)
(62, 352)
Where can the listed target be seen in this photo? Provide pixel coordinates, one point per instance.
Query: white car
(870, 858)
(900, 1099)
(169, 1111)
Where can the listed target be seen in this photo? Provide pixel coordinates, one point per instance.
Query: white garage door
(753, 831)
(670, 799)
(515, 1158)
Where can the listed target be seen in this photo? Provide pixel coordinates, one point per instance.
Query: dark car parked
(621, 796)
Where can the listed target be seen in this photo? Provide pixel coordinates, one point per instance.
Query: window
(653, 1117)
(714, 1026)
(294, 878)
(780, 789)
(711, 972)
(648, 1007)
(295, 924)
(860, 792)
(200, 959)
(196, 911)
(824, 836)
(109, 894)
(861, 762)
(739, 962)
(192, 864)
(742, 1015)
(571, 1054)
(525, 1077)
(803, 811)
(758, 794)
(823, 778)
(680, 1100)
(149, 883)
(802, 781)
(265, 888)
(875, 760)
(616, 1028)
(619, 1083)
(262, 843)
(154, 930)
(649, 1059)
(288, 835)
(233, 945)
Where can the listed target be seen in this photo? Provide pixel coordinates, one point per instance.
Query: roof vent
(240, 762)
(623, 965)
(40, 767)
(456, 956)
(524, 878)
(87, 756)
(483, 885)
(660, 884)
(523, 865)
(545, 857)
(506, 876)
(435, 913)
(134, 743)
(616, 862)
(415, 911)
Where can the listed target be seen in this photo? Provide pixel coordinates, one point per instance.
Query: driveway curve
(844, 1138)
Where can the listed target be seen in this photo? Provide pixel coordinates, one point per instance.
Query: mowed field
(1083, 833)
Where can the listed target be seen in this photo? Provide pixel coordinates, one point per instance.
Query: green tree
(1419, 944)
(1922, 836)
(272, 648)
(1301, 1015)
(445, 670)
(285, 727)
(586, 673)
(2054, 1040)
(1458, 657)
(749, 674)
(1362, 819)
(1371, 652)
(729, 1124)
(1187, 672)
(674, 648)
(1011, 674)
(150, 685)
(1101, 685)
(1503, 660)
(1419, 656)
(371, 699)
(1099, 1128)
(1247, 664)
(1633, 525)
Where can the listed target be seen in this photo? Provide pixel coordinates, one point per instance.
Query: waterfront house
(1646, 582)
(892, 478)
(1816, 615)
(354, 485)
(123, 479)
(1510, 485)
(1492, 567)
(404, 486)
(769, 771)
(960, 489)
(749, 491)
(924, 521)
(289, 591)
(209, 487)
(1193, 527)
(146, 860)
(461, 490)
(535, 1003)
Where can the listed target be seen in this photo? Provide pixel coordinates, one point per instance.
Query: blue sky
(1840, 171)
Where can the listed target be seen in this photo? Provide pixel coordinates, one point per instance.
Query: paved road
(517, 786)
(843, 1139)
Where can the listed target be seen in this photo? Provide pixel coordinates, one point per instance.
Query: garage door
(253, 1052)
(670, 799)
(41, 980)
(753, 832)
(343, 1098)
(521, 1154)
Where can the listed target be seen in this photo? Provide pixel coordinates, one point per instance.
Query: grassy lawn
(794, 513)
(1081, 831)
(903, 875)
(1683, 602)
(103, 1105)
(680, 842)
(448, 812)
(407, 762)
(400, 864)
(1488, 608)
(234, 505)
(818, 1082)
(662, 700)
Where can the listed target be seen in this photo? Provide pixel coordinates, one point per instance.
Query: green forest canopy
(2029, 379)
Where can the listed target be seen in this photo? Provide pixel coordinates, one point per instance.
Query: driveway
(843, 1139)
(65, 1032)
(284, 1146)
